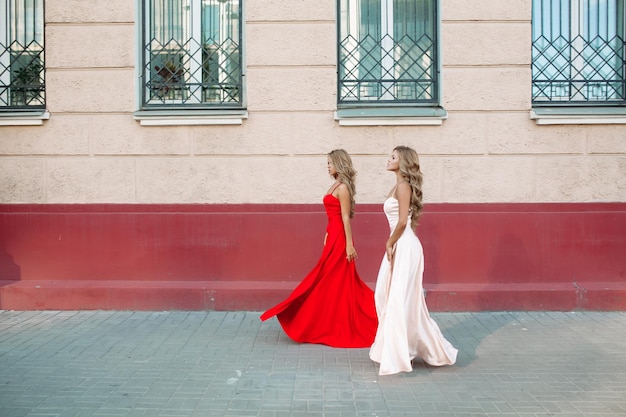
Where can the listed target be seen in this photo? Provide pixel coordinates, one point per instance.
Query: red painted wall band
(464, 244)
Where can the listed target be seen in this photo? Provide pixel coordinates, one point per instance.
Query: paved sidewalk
(179, 364)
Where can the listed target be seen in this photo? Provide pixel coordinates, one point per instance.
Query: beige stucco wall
(488, 150)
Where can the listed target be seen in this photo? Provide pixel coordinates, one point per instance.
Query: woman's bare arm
(344, 200)
(403, 195)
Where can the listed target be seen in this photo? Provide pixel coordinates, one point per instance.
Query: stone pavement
(179, 364)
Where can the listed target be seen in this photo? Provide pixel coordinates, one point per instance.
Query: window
(578, 53)
(388, 52)
(191, 55)
(21, 56)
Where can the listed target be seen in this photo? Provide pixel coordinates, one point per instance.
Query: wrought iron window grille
(586, 69)
(22, 65)
(396, 67)
(191, 72)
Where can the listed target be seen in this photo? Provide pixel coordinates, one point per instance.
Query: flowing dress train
(332, 305)
(406, 330)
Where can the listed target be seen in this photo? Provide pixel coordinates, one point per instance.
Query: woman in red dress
(332, 305)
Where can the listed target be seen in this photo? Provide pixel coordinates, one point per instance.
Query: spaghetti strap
(335, 187)
(392, 194)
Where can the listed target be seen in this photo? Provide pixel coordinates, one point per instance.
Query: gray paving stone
(189, 364)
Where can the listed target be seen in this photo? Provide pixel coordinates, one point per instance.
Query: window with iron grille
(387, 52)
(578, 52)
(191, 54)
(21, 55)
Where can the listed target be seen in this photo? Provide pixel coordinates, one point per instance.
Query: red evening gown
(332, 305)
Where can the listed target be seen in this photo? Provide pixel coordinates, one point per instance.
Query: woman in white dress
(405, 329)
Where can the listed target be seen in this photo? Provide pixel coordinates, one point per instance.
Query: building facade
(163, 154)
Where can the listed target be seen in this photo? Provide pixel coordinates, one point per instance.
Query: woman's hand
(344, 200)
(350, 253)
(391, 251)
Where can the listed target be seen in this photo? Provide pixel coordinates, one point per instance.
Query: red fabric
(332, 305)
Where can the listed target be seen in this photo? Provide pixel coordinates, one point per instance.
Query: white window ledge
(579, 116)
(391, 116)
(391, 121)
(190, 118)
(27, 118)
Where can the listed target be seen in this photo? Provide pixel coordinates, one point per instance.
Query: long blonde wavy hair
(345, 173)
(410, 171)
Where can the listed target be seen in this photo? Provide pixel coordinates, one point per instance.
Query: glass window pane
(192, 56)
(578, 51)
(387, 51)
(22, 55)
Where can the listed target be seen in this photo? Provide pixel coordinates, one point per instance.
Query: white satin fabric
(405, 329)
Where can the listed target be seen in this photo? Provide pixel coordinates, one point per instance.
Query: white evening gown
(405, 329)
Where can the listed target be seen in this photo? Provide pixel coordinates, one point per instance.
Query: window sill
(24, 118)
(391, 116)
(578, 115)
(190, 117)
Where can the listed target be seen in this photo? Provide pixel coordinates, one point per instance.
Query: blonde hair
(345, 173)
(410, 171)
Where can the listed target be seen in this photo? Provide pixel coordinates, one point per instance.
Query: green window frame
(22, 64)
(388, 53)
(191, 55)
(578, 53)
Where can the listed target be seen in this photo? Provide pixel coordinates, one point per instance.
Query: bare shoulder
(404, 188)
(342, 189)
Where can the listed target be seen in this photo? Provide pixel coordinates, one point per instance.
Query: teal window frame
(22, 58)
(191, 55)
(388, 56)
(578, 55)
